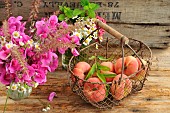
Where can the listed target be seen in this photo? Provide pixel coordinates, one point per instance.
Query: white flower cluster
(21, 88)
(89, 26)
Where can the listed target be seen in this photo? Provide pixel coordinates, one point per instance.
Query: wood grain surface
(154, 98)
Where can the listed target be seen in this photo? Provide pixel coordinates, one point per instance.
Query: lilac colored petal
(74, 52)
(51, 96)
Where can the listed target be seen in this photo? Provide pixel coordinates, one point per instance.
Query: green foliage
(87, 11)
(91, 72)
(96, 67)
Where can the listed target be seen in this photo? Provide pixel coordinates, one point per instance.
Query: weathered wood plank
(122, 11)
(154, 98)
(153, 36)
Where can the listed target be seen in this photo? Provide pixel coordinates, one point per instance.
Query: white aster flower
(16, 34)
(14, 87)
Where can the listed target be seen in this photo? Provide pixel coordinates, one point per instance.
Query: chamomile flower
(2, 39)
(14, 87)
(16, 34)
(22, 89)
(44, 110)
(87, 41)
(36, 84)
(37, 45)
(78, 34)
(47, 108)
(100, 38)
(30, 42)
(21, 43)
(9, 45)
(97, 46)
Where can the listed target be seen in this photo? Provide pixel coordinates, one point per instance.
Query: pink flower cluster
(51, 27)
(37, 66)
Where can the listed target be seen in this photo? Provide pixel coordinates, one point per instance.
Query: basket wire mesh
(106, 95)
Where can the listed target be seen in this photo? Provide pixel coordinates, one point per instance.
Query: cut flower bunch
(26, 58)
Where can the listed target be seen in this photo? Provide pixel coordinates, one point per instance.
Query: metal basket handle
(112, 31)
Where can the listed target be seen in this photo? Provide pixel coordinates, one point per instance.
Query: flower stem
(6, 102)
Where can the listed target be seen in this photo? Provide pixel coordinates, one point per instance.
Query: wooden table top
(154, 98)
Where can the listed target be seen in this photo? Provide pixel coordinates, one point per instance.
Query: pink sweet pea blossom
(51, 96)
(74, 52)
(14, 66)
(42, 28)
(53, 20)
(75, 39)
(4, 53)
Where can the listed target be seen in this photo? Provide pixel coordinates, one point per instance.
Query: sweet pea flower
(14, 66)
(75, 52)
(49, 61)
(15, 24)
(51, 96)
(4, 53)
(42, 29)
(40, 76)
(75, 39)
(53, 20)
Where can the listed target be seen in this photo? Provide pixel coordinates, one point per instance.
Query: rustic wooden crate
(145, 20)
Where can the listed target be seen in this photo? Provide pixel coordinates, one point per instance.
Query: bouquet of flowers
(26, 56)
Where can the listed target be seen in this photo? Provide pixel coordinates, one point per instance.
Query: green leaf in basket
(91, 72)
(109, 75)
(102, 58)
(107, 89)
(92, 57)
(104, 68)
(101, 77)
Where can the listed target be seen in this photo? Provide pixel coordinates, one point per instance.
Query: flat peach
(130, 65)
(94, 90)
(108, 64)
(119, 91)
(84, 66)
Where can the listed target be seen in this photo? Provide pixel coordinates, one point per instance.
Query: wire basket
(106, 95)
